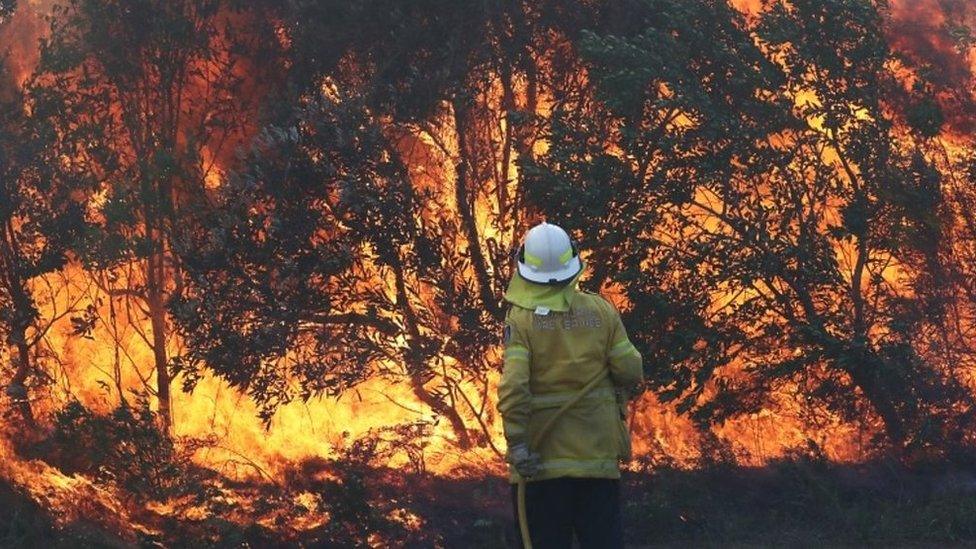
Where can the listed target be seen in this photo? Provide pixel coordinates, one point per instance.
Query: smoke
(937, 42)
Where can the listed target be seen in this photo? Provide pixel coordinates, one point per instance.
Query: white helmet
(548, 256)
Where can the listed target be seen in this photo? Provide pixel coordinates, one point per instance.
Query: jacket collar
(530, 295)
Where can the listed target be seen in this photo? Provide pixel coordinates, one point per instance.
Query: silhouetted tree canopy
(770, 223)
(41, 220)
(313, 193)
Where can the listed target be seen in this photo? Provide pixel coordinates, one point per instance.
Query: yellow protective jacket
(556, 339)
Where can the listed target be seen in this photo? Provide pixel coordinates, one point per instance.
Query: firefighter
(556, 339)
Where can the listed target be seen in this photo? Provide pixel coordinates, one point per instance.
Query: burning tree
(388, 193)
(744, 189)
(41, 218)
(300, 198)
(767, 204)
(774, 227)
(370, 231)
(877, 315)
(152, 96)
(273, 297)
(632, 146)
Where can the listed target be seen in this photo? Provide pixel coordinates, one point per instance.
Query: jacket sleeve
(514, 396)
(626, 364)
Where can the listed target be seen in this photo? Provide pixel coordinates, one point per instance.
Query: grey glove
(525, 462)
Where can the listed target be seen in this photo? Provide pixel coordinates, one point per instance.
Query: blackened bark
(465, 205)
(157, 315)
(415, 365)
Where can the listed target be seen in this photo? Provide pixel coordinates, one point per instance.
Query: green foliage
(678, 88)
(926, 117)
(676, 105)
(38, 203)
(351, 499)
(411, 55)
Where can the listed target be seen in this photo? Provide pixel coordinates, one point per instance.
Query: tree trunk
(23, 316)
(866, 375)
(157, 315)
(443, 410)
(465, 204)
(17, 390)
(415, 365)
(865, 371)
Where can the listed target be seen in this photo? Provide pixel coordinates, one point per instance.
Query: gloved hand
(525, 462)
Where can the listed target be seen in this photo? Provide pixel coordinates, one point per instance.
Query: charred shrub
(126, 447)
(367, 503)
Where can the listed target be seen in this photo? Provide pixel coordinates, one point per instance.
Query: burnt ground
(22, 522)
(799, 503)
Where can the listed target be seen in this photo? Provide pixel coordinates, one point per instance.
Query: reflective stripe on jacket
(548, 358)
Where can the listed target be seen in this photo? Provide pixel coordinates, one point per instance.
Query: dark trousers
(560, 507)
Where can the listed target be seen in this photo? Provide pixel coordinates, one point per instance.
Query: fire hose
(534, 445)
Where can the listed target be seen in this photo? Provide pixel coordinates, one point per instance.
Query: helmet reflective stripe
(548, 256)
(533, 260)
(567, 255)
